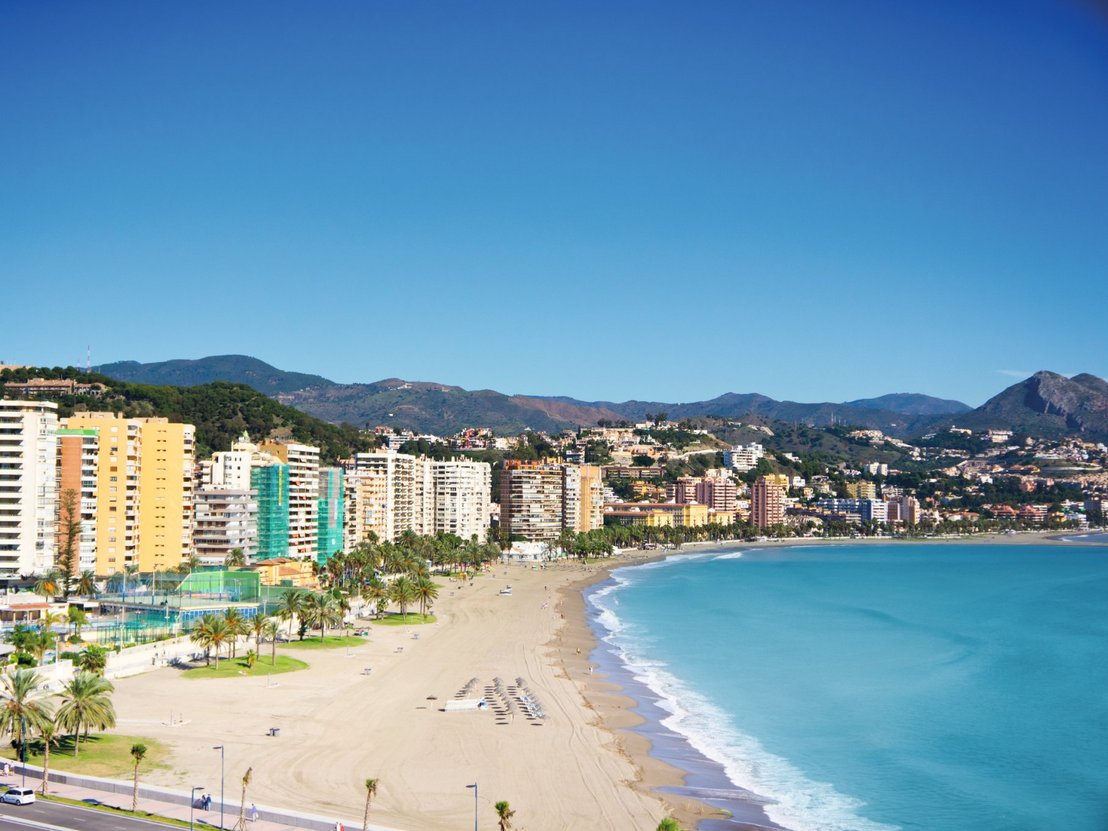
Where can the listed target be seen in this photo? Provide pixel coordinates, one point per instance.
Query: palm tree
(504, 814)
(258, 624)
(49, 732)
(93, 659)
(86, 584)
(86, 702)
(402, 592)
(236, 559)
(211, 633)
(370, 792)
(77, 619)
(292, 601)
(47, 585)
(23, 704)
(377, 592)
(272, 631)
(236, 626)
(427, 592)
(242, 805)
(319, 610)
(669, 824)
(138, 752)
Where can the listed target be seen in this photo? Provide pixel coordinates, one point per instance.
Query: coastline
(609, 689)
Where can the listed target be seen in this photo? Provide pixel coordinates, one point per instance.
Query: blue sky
(812, 200)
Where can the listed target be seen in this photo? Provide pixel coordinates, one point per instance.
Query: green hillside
(221, 411)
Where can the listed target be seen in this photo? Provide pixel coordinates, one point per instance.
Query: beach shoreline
(617, 706)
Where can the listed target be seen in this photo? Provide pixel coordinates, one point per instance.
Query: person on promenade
(253, 812)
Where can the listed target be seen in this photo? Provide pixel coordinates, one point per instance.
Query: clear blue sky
(812, 200)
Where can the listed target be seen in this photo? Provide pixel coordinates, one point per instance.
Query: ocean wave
(791, 798)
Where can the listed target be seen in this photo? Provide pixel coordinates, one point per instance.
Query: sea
(873, 687)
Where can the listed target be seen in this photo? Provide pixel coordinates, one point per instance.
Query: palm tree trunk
(134, 793)
(46, 768)
(273, 655)
(365, 817)
(77, 741)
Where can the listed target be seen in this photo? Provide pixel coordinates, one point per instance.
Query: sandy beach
(339, 726)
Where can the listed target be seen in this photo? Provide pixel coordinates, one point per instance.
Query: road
(54, 816)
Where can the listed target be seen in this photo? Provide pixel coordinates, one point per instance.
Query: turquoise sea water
(941, 687)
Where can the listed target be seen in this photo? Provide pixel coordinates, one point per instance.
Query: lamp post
(23, 747)
(474, 786)
(219, 747)
(192, 802)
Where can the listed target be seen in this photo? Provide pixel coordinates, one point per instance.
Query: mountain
(912, 403)
(239, 369)
(1046, 404)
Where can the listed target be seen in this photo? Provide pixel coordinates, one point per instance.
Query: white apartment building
(28, 486)
(743, 457)
(389, 493)
(225, 519)
(462, 495)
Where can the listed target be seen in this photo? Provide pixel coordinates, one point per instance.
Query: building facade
(78, 457)
(332, 514)
(768, 501)
(28, 487)
(303, 494)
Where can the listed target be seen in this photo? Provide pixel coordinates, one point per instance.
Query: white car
(19, 796)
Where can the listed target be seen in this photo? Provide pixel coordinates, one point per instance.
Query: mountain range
(1046, 404)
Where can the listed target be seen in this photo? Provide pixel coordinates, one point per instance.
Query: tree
(138, 753)
(86, 702)
(292, 601)
(272, 631)
(86, 584)
(236, 559)
(427, 592)
(258, 623)
(49, 732)
(246, 777)
(402, 592)
(211, 633)
(669, 824)
(93, 659)
(23, 704)
(320, 610)
(69, 536)
(77, 619)
(236, 627)
(370, 792)
(47, 585)
(504, 814)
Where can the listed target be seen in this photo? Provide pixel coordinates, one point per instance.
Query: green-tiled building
(332, 513)
(270, 484)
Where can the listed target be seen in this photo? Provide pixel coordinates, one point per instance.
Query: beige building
(144, 490)
(768, 500)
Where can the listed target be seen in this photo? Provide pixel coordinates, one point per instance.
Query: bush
(68, 656)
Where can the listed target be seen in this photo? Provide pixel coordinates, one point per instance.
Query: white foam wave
(792, 799)
(732, 555)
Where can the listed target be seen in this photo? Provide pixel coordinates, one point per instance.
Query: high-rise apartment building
(269, 486)
(717, 492)
(28, 487)
(539, 500)
(144, 490)
(332, 514)
(78, 458)
(388, 493)
(743, 457)
(462, 492)
(768, 500)
(303, 464)
(224, 520)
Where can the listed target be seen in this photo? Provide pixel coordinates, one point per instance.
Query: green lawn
(103, 754)
(330, 642)
(237, 668)
(412, 619)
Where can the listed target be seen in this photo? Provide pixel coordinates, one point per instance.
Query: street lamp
(192, 802)
(219, 747)
(474, 786)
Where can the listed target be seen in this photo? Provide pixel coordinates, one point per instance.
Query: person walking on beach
(253, 812)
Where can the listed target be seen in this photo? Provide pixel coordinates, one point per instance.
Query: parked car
(19, 796)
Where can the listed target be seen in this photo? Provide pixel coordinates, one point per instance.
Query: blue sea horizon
(874, 687)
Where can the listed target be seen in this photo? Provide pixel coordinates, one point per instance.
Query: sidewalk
(175, 804)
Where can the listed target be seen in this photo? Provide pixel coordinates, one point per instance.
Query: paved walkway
(174, 804)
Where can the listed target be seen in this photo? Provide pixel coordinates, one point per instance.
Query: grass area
(238, 667)
(104, 754)
(410, 619)
(109, 809)
(330, 642)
